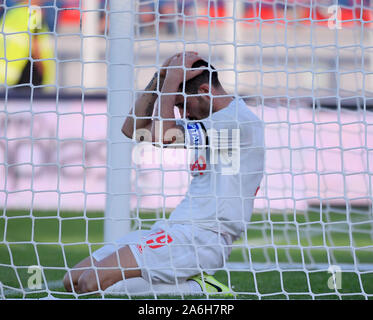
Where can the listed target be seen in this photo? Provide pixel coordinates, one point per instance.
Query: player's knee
(87, 282)
(67, 282)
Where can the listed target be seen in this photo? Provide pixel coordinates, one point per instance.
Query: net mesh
(303, 67)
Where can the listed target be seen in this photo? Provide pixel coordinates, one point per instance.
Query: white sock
(194, 286)
(138, 286)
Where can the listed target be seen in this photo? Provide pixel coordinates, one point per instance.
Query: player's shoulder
(246, 112)
(237, 112)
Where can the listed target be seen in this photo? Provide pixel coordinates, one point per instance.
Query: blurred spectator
(51, 10)
(20, 64)
(147, 14)
(70, 13)
(168, 10)
(352, 3)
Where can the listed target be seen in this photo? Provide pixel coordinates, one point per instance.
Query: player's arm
(165, 130)
(141, 115)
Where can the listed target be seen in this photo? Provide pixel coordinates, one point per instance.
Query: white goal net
(71, 70)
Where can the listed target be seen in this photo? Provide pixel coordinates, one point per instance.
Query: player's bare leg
(117, 266)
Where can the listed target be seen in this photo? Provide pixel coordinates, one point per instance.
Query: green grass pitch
(59, 240)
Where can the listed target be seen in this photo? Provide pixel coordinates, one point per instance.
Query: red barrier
(266, 13)
(263, 12)
(270, 14)
(69, 17)
(212, 13)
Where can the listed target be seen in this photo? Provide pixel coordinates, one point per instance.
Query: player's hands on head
(166, 63)
(185, 61)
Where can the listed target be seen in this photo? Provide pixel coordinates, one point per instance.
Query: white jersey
(227, 163)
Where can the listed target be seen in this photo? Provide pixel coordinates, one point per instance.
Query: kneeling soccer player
(226, 144)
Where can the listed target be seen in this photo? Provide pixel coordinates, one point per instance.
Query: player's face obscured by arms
(192, 107)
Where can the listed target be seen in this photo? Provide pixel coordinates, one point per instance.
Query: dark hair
(192, 85)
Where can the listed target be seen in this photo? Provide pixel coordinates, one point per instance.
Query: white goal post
(68, 181)
(120, 100)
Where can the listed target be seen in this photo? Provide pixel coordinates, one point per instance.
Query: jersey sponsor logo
(155, 240)
(199, 165)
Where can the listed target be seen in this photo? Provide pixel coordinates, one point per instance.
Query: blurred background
(305, 67)
(253, 40)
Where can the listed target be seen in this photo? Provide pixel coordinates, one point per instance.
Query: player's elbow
(126, 132)
(128, 128)
(172, 136)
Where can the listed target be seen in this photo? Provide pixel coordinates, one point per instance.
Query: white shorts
(172, 253)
